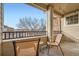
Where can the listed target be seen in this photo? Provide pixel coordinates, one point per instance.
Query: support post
(1, 25)
(49, 23)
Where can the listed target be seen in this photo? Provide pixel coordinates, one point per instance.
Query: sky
(15, 11)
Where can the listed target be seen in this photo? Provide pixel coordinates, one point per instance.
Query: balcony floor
(53, 52)
(68, 48)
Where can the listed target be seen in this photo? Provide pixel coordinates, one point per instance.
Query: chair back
(58, 38)
(26, 47)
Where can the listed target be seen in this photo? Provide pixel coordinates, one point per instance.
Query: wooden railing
(22, 34)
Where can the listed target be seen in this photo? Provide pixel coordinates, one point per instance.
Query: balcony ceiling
(65, 8)
(60, 8)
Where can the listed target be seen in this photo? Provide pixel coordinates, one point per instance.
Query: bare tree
(31, 24)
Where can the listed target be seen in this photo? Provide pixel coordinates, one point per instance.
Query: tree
(32, 24)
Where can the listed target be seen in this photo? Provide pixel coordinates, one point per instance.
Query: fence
(22, 34)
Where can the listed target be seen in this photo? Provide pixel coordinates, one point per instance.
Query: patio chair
(26, 48)
(43, 43)
(55, 43)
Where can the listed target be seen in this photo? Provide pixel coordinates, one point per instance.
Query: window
(72, 19)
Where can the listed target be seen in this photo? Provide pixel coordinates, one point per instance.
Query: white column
(1, 28)
(49, 23)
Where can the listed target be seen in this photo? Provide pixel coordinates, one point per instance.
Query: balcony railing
(22, 34)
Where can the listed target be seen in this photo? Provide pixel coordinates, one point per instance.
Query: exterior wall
(8, 49)
(70, 30)
(0, 28)
(56, 24)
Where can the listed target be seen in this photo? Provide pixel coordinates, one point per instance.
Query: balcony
(27, 43)
(28, 39)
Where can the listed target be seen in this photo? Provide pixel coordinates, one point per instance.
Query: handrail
(22, 34)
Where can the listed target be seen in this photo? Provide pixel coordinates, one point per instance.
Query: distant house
(21, 30)
(7, 28)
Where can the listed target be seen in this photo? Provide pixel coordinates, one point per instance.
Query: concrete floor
(52, 52)
(68, 48)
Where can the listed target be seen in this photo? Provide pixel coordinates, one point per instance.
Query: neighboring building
(7, 28)
(21, 30)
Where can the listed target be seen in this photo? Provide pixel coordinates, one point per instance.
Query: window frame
(72, 14)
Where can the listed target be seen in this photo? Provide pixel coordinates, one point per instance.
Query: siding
(71, 31)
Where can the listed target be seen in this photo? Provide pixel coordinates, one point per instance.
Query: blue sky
(14, 11)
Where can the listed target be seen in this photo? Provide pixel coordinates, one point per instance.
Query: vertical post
(13, 35)
(22, 34)
(16, 34)
(9, 35)
(60, 25)
(4, 35)
(19, 34)
(37, 52)
(49, 23)
(14, 45)
(1, 25)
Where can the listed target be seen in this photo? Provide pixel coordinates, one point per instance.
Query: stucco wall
(8, 49)
(70, 30)
(56, 24)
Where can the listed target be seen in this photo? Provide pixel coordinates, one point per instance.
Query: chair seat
(52, 43)
(41, 42)
(27, 52)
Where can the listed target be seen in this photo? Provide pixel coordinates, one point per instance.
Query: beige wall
(56, 23)
(71, 31)
(8, 49)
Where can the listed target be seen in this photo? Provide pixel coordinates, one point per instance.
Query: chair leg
(37, 52)
(57, 47)
(61, 50)
(48, 49)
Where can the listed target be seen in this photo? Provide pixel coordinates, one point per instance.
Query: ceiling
(65, 8)
(60, 8)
